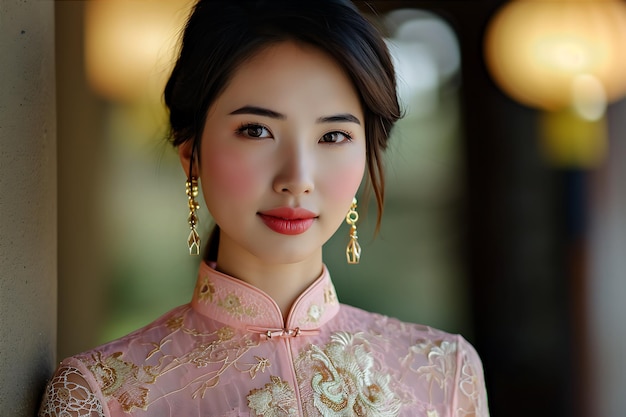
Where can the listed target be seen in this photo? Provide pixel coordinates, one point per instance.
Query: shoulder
(428, 368)
(83, 382)
(411, 346)
(140, 339)
(72, 391)
(403, 333)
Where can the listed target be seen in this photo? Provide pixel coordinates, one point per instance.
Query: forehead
(288, 74)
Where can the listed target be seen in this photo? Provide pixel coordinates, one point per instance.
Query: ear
(185, 153)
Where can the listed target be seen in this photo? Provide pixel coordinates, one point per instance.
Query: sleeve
(470, 399)
(70, 394)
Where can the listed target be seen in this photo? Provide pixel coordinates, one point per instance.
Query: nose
(295, 173)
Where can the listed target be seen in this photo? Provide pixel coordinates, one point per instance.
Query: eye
(255, 131)
(336, 137)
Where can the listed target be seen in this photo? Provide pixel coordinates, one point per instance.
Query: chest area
(228, 372)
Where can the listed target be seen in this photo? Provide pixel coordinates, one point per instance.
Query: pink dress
(230, 353)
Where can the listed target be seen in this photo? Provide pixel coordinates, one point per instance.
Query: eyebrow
(260, 111)
(347, 117)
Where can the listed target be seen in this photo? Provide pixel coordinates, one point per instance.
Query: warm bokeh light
(536, 50)
(129, 47)
(568, 140)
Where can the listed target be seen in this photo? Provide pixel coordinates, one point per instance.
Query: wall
(28, 234)
(80, 153)
(606, 287)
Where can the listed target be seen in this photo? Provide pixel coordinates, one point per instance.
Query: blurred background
(504, 218)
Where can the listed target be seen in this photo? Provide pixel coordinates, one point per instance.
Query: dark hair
(222, 34)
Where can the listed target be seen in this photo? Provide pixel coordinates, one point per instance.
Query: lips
(288, 220)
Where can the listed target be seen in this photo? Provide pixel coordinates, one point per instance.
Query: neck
(282, 282)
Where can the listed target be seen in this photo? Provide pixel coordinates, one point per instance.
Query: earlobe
(186, 153)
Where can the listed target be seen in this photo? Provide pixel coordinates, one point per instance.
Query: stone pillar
(28, 204)
(80, 153)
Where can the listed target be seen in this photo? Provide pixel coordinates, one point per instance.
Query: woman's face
(282, 155)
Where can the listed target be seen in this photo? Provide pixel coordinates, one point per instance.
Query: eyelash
(346, 134)
(241, 131)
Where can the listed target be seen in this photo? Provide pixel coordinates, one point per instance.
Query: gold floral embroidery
(345, 380)
(175, 323)
(223, 355)
(207, 293)
(157, 347)
(225, 333)
(122, 380)
(232, 304)
(206, 290)
(217, 351)
(276, 399)
(260, 365)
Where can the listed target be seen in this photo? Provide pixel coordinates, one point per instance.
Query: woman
(277, 108)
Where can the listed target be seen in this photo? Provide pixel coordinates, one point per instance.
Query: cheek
(228, 174)
(345, 181)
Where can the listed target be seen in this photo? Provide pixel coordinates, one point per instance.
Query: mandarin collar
(240, 305)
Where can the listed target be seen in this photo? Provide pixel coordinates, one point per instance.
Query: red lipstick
(288, 220)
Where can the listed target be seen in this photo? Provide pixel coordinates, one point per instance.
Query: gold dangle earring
(353, 251)
(191, 187)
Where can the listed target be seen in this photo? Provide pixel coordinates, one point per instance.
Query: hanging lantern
(565, 57)
(537, 50)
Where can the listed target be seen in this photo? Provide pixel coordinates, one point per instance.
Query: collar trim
(240, 305)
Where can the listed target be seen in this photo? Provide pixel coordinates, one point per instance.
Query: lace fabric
(68, 394)
(202, 360)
